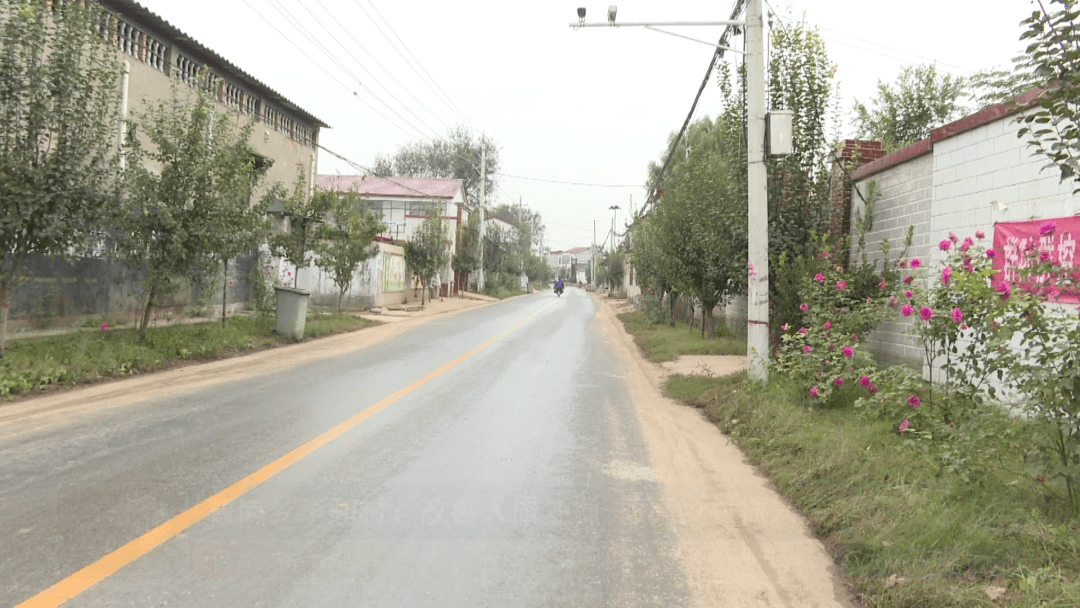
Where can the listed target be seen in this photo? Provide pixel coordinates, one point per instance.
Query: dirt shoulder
(741, 543)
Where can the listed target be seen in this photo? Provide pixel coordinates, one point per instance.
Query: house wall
(382, 280)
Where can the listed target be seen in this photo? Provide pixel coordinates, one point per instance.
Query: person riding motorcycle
(558, 286)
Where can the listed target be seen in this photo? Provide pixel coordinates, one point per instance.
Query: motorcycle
(558, 290)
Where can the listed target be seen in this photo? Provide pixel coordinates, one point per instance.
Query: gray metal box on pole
(778, 131)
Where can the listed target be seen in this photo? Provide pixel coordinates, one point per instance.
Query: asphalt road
(512, 475)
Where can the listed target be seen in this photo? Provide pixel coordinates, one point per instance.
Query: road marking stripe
(85, 578)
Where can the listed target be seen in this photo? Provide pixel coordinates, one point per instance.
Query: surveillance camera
(611, 13)
(581, 12)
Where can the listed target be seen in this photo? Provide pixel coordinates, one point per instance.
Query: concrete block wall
(904, 198)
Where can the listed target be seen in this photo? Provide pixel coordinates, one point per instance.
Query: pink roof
(409, 187)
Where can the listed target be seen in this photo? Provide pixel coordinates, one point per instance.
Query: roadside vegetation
(906, 528)
(43, 363)
(663, 342)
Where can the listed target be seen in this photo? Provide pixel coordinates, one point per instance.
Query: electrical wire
(445, 97)
(327, 72)
(568, 183)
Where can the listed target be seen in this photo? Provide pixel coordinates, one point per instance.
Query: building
(403, 204)
(154, 57)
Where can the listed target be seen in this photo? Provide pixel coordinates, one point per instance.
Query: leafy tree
(346, 241)
(194, 171)
(426, 250)
(904, 113)
(615, 269)
(996, 85)
(467, 259)
(58, 115)
(455, 157)
(1054, 53)
(304, 211)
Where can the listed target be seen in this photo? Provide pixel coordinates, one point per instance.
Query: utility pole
(592, 259)
(614, 212)
(483, 200)
(757, 331)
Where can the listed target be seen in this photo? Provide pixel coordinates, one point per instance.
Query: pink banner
(1011, 239)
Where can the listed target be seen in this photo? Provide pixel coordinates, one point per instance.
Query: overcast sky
(591, 105)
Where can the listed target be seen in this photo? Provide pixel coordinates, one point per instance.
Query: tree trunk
(341, 294)
(146, 313)
(5, 304)
(224, 291)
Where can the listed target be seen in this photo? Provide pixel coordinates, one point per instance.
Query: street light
(757, 325)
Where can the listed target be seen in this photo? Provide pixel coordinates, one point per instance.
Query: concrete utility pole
(592, 259)
(757, 330)
(614, 212)
(483, 200)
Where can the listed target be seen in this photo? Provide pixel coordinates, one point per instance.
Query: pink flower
(872, 389)
(926, 313)
(864, 381)
(882, 284)
(964, 327)
(907, 310)
(290, 273)
(990, 253)
(854, 337)
(945, 245)
(1004, 290)
(892, 301)
(848, 352)
(966, 244)
(908, 294)
(1044, 256)
(1029, 244)
(841, 284)
(804, 307)
(825, 254)
(915, 263)
(806, 349)
(813, 391)
(979, 234)
(784, 327)
(953, 237)
(957, 315)
(914, 401)
(105, 326)
(946, 276)
(1047, 228)
(869, 300)
(904, 426)
(802, 330)
(230, 282)
(839, 381)
(908, 279)
(828, 325)
(902, 264)
(820, 278)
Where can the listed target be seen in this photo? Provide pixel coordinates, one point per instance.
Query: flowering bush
(982, 336)
(824, 352)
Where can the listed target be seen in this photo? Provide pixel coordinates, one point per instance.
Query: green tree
(457, 156)
(467, 259)
(905, 112)
(58, 117)
(996, 85)
(426, 250)
(1054, 53)
(188, 168)
(304, 210)
(345, 241)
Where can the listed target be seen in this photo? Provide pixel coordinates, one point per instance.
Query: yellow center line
(106, 566)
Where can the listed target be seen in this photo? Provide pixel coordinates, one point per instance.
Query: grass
(905, 532)
(666, 343)
(41, 363)
(502, 292)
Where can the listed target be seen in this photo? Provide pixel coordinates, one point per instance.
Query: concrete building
(157, 58)
(403, 203)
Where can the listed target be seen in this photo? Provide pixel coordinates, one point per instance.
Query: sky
(588, 107)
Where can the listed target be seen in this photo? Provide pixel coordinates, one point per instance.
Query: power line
(311, 37)
(327, 72)
(367, 71)
(449, 101)
(568, 183)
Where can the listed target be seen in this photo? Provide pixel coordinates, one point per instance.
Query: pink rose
(907, 310)
(814, 391)
(841, 285)
(806, 349)
(839, 381)
(990, 253)
(820, 278)
(979, 234)
(828, 325)
(864, 381)
(946, 276)
(945, 245)
(848, 352)
(926, 313)
(915, 263)
(804, 307)
(908, 294)
(904, 426)
(953, 237)
(1047, 228)
(957, 315)
(914, 401)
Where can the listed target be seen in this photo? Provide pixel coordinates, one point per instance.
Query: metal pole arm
(577, 24)
(705, 42)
